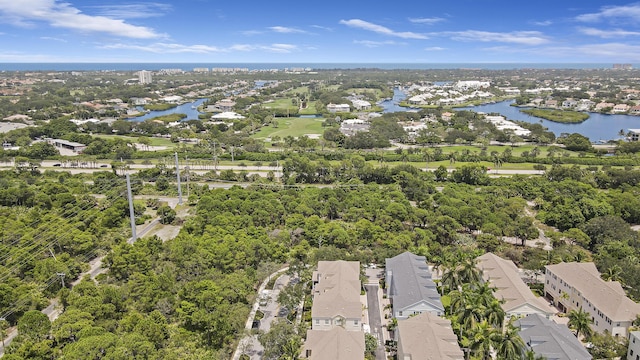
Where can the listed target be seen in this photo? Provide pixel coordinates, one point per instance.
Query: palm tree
(494, 314)
(580, 321)
(612, 273)
(483, 338)
(469, 273)
(511, 345)
(531, 355)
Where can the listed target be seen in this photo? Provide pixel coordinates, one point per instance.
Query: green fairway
(292, 127)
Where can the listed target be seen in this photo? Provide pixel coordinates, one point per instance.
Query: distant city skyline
(207, 31)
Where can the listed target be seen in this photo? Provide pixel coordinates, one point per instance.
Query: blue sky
(284, 31)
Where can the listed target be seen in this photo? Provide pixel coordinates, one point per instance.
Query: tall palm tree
(469, 273)
(580, 321)
(511, 345)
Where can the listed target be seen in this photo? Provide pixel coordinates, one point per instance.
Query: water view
(599, 127)
(190, 109)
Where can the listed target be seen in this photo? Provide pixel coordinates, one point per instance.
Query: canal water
(598, 127)
(190, 109)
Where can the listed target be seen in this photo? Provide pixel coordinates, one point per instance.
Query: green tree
(275, 340)
(34, 325)
(580, 321)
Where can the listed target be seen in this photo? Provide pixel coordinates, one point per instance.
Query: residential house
(572, 286)
(635, 110)
(336, 296)
(620, 108)
(334, 108)
(585, 105)
(361, 104)
(550, 340)
(604, 106)
(334, 344)
(551, 103)
(634, 134)
(504, 276)
(633, 353)
(569, 103)
(427, 337)
(410, 286)
(350, 127)
(225, 105)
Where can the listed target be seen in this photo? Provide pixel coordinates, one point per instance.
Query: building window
(355, 322)
(317, 321)
(400, 313)
(326, 322)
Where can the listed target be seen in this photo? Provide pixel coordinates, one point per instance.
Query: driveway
(250, 344)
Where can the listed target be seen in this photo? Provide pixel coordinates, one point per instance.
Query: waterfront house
(635, 110)
(410, 287)
(361, 105)
(225, 105)
(621, 108)
(569, 103)
(551, 103)
(572, 286)
(604, 106)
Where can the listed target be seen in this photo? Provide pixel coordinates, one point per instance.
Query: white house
(334, 108)
(633, 353)
(572, 286)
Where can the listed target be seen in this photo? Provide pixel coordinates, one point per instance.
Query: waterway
(190, 109)
(598, 127)
(391, 105)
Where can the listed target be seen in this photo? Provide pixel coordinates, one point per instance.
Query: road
(202, 169)
(375, 320)
(249, 344)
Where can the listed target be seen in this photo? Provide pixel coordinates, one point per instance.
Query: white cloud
(516, 37)
(373, 44)
(630, 12)
(242, 47)
(166, 48)
(322, 27)
(435, 48)
(53, 39)
(286, 30)
(427, 21)
(133, 11)
(613, 51)
(64, 15)
(605, 34)
(542, 23)
(361, 24)
(280, 48)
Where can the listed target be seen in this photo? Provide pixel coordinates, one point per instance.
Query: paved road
(249, 344)
(375, 321)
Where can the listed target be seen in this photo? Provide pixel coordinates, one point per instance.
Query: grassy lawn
(279, 104)
(292, 126)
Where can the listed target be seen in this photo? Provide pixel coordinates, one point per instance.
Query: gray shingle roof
(551, 340)
(428, 337)
(411, 282)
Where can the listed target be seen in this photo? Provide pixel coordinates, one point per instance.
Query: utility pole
(178, 177)
(132, 216)
(187, 168)
(61, 275)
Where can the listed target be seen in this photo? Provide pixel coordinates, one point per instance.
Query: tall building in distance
(144, 77)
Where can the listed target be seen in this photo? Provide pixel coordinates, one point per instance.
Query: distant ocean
(280, 66)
